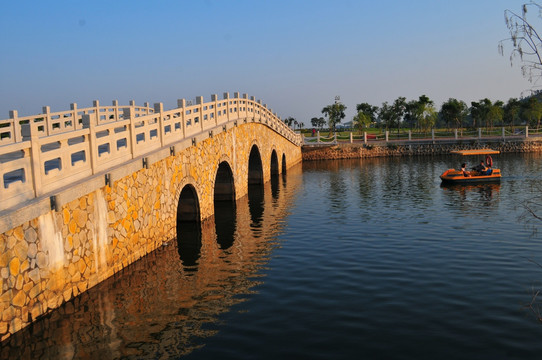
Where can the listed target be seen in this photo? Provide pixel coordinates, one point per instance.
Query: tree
(512, 111)
(453, 112)
(428, 117)
(532, 110)
(526, 42)
(385, 115)
(416, 111)
(361, 120)
(495, 113)
(289, 121)
(335, 113)
(368, 109)
(318, 122)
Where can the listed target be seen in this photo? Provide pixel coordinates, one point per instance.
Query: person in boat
(488, 170)
(464, 170)
(480, 167)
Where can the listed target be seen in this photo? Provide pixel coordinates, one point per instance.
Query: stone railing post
(147, 106)
(199, 101)
(30, 132)
(479, 133)
(227, 98)
(181, 104)
(76, 124)
(318, 136)
(409, 135)
(527, 131)
(89, 122)
(351, 138)
(128, 114)
(17, 135)
(336, 138)
(115, 104)
(365, 137)
(432, 134)
(503, 136)
(214, 100)
(96, 105)
(158, 110)
(387, 135)
(46, 111)
(245, 99)
(455, 134)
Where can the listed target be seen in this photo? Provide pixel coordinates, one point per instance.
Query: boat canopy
(475, 152)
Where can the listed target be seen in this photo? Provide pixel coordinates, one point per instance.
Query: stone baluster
(128, 114)
(527, 131)
(181, 104)
(29, 131)
(46, 111)
(116, 114)
(75, 118)
(214, 100)
(89, 122)
(199, 101)
(17, 135)
(227, 98)
(479, 133)
(158, 110)
(96, 105)
(365, 137)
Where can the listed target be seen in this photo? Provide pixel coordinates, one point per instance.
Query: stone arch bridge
(87, 191)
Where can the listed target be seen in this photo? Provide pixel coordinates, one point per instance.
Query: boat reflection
(486, 192)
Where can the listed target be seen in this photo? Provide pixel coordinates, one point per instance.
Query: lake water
(369, 259)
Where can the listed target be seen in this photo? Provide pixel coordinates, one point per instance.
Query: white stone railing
(43, 153)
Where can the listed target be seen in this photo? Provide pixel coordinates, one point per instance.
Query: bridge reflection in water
(159, 306)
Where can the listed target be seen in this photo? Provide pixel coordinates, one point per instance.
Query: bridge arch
(225, 212)
(274, 163)
(224, 188)
(255, 168)
(188, 226)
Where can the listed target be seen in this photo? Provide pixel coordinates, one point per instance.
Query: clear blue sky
(294, 55)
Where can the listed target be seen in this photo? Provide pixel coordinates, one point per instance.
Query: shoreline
(360, 151)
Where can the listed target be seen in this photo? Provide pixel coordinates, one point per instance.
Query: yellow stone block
(24, 266)
(72, 227)
(19, 299)
(71, 269)
(80, 218)
(81, 266)
(67, 294)
(66, 216)
(19, 282)
(14, 266)
(83, 203)
(4, 259)
(18, 233)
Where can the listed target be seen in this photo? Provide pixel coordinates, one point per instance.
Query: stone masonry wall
(357, 151)
(57, 256)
